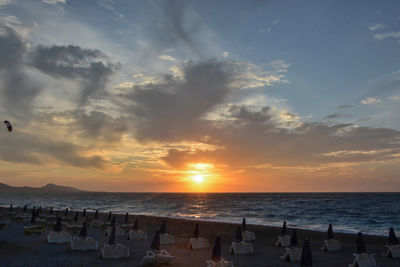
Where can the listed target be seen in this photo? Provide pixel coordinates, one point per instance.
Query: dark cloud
(250, 138)
(21, 147)
(74, 62)
(18, 90)
(175, 28)
(167, 110)
(335, 116)
(345, 106)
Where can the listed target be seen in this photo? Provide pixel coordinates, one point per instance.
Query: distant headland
(49, 188)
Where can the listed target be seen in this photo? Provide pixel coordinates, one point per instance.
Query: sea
(371, 213)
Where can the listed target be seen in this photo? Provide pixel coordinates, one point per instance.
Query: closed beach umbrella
(25, 207)
(306, 255)
(293, 239)
(244, 225)
(83, 232)
(111, 241)
(84, 213)
(196, 232)
(284, 230)
(109, 216)
(126, 218)
(11, 207)
(66, 212)
(392, 237)
(136, 225)
(216, 252)
(51, 211)
(239, 237)
(33, 218)
(163, 228)
(112, 224)
(96, 215)
(330, 232)
(155, 244)
(57, 227)
(360, 243)
(76, 217)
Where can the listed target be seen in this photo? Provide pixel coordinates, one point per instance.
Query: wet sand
(17, 249)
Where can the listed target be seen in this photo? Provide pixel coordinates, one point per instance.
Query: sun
(198, 178)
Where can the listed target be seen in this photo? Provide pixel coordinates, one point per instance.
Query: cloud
(23, 147)
(165, 110)
(384, 35)
(376, 27)
(17, 88)
(54, 2)
(370, 100)
(247, 139)
(167, 57)
(73, 62)
(345, 106)
(334, 116)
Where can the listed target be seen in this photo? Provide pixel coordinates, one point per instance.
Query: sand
(17, 249)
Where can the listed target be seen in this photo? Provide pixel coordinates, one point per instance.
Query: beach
(17, 249)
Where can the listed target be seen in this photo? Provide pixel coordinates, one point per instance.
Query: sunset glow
(168, 97)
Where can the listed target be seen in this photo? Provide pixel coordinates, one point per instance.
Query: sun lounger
(118, 231)
(248, 236)
(34, 230)
(73, 228)
(363, 260)
(292, 254)
(198, 243)
(392, 251)
(84, 243)
(331, 245)
(58, 237)
(241, 248)
(167, 239)
(219, 263)
(283, 241)
(137, 235)
(117, 251)
(153, 258)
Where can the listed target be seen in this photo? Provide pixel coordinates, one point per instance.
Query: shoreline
(230, 221)
(31, 250)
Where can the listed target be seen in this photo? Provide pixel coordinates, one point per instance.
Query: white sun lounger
(220, 263)
(292, 255)
(84, 244)
(283, 241)
(198, 243)
(114, 251)
(167, 239)
(363, 260)
(331, 245)
(34, 230)
(58, 237)
(392, 251)
(241, 248)
(248, 236)
(152, 258)
(137, 235)
(118, 231)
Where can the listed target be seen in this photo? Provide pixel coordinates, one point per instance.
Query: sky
(201, 96)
